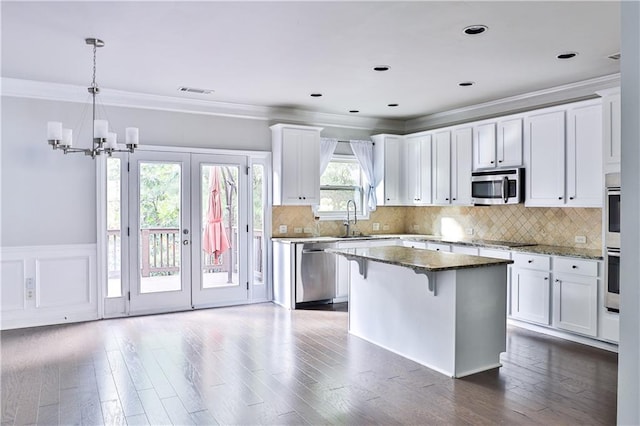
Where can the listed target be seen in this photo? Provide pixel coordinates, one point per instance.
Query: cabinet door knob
(304, 198)
(529, 261)
(499, 161)
(557, 280)
(492, 161)
(559, 198)
(446, 199)
(453, 199)
(574, 267)
(571, 198)
(546, 278)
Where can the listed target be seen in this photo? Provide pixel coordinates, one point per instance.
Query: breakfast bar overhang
(445, 311)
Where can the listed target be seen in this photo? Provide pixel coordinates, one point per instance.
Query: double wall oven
(612, 240)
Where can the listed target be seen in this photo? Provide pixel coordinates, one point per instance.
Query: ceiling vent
(195, 90)
(615, 56)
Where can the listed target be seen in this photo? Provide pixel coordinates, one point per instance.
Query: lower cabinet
(568, 302)
(575, 295)
(530, 295)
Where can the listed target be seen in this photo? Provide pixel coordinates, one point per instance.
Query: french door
(189, 220)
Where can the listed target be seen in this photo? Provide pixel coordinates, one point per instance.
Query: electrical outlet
(580, 239)
(297, 230)
(385, 227)
(29, 283)
(283, 229)
(375, 226)
(29, 294)
(416, 227)
(469, 231)
(308, 230)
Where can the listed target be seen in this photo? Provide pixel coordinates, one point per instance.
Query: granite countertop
(592, 254)
(420, 259)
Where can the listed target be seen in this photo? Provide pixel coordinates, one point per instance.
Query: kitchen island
(446, 311)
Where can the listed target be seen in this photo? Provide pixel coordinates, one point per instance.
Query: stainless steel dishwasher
(315, 272)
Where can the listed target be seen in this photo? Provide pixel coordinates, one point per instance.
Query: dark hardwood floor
(262, 364)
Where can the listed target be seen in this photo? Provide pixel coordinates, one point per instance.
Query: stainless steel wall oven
(612, 241)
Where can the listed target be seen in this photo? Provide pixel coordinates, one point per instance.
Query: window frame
(363, 212)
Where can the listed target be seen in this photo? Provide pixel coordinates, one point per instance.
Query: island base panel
(460, 331)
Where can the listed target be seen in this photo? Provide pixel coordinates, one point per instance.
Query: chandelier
(103, 140)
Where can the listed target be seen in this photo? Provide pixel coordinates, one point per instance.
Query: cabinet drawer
(499, 254)
(465, 250)
(532, 261)
(570, 265)
(438, 246)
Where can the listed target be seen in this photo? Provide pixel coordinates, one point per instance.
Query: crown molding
(20, 88)
(541, 98)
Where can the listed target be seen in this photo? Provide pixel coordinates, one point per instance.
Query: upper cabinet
(611, 129)
(461, 166)
(418, 161)
(441, 167)
(584, 155)
(389, 169)
(563, 156)
(497, 143)
(544, 140)
(296, 164)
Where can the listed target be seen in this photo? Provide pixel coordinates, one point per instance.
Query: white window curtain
(327, 148)
(363, 150)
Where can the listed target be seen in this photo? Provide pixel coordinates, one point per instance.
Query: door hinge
(128, 295)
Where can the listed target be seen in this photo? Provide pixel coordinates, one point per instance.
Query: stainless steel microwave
(497, 187)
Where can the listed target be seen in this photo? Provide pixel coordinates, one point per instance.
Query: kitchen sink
(362, 237)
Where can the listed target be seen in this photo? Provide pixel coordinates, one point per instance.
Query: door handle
(185, 242)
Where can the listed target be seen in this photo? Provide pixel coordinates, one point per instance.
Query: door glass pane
(219, 221)
(114, 241)
(160, 247)
(258, 205)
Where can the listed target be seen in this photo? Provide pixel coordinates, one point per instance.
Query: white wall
(629, 350)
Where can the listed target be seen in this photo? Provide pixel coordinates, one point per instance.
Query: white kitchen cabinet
(441, 167)
(611, 124)
(484, 145)
(509, 142)
(461, 154)
(563, 149)
(464, 249)
(390, 169)
(296, 164)
(584, 155)
(438, 246)
(530, 288)
(545, 158)
(575, 295)
(497, 143)
(418, 161)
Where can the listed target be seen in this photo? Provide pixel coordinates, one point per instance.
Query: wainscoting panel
(12, 296)
(43, 285)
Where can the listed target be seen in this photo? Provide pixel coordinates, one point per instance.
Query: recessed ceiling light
(567, 55)
(195, 90)
(475, 29)
(354, 111)
(315, 95)
(382, 68)
(392, 105)
(466, 83)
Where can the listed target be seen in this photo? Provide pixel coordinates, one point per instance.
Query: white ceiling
(276, 53)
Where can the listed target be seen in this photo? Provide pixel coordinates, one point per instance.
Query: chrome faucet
(347, 222)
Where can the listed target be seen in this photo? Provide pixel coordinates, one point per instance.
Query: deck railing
(160, 253)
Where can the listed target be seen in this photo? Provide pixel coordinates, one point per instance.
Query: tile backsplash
(553, 226)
